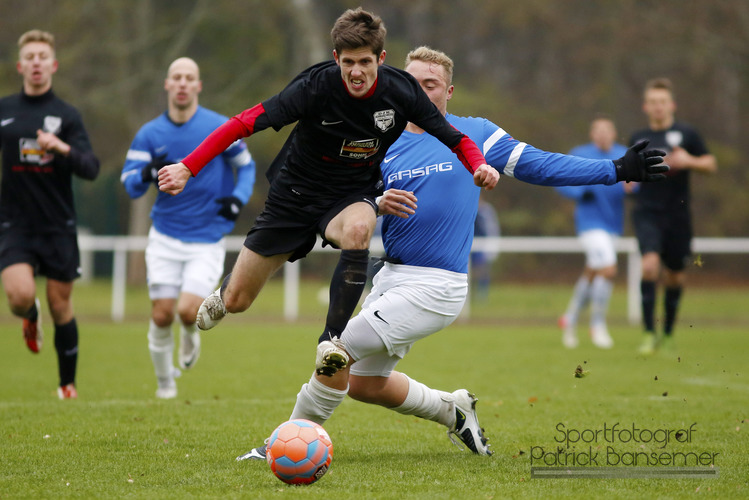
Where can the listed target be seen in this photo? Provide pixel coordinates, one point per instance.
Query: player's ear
(381, 59)
(335, 56)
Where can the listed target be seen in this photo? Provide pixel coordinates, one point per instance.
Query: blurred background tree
(539, 69)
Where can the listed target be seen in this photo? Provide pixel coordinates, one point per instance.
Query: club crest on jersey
(361, 149)
(384, 120)
(674, 138)
(52, 124)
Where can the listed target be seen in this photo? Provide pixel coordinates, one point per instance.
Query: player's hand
(50, 142)
(641, 165)
(486, 177)
(588, 196)
(150, 172)
(172, 178)
(230, 207)
(397, 202)
(679, 158)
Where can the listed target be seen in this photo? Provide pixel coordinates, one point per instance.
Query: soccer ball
(299, 452)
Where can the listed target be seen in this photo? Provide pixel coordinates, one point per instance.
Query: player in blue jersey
(599, 219)
(348, 112)
(186, 247)
(423, 283)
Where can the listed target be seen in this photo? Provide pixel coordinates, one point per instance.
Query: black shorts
(54, 255)
(291, 220)
(668, 233)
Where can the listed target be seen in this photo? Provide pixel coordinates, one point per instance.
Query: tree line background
(540, 69)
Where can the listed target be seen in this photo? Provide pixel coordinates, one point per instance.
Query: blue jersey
(440, 233)
(598, 207)
(193, 215)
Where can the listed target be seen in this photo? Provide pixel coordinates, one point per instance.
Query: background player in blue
(661, 216)
(44, 144)
(599, 219)
(325, 179)
(430, 207)
(186, 249)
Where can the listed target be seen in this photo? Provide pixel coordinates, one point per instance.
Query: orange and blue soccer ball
(299, 452)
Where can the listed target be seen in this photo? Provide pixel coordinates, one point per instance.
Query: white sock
(600, 294)
(429, 404)
(316, 401)
(161, 345)
(188, 330)
(580, 297)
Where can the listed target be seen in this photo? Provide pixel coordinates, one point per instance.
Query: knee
(356, 235)
(608, 273)
(162, 317)
(236, 302)
(650, 267)
(20, 301)
(187, 314)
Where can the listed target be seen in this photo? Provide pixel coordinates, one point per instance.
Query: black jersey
(339, 141)
(36, 192)
(673, 192)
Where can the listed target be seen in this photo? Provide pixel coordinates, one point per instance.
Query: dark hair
(357, 28)
(660, 83)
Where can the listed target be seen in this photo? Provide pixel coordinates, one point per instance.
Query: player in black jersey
(327, 176)
(43, 144)
(661, 216)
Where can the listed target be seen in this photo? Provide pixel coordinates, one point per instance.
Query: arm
(240, 159)
(679, 159)
(396, 202)
(75, 150)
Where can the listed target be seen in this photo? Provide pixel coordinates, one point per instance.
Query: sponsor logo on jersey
(420, 171)
(7, 121)
(31, 152)
(388, 160)
(326, 122)
(360, 149)
(384, 120)
(52, 124)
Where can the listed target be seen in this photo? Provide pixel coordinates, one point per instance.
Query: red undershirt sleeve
(469, 154)
(239, 126)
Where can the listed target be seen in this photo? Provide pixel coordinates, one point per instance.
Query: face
(659, 105)
(603, 133)
(37, 64)
(183, 84)
(431, 77)
(359, 69)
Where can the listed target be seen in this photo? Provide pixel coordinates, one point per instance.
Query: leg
(59, 296)
(189, 336)
(603, 263)
(240, 288)
(161, 341)
(350, 230)
(650, 272)
(578, 301)
(674, 283)
(20, 288)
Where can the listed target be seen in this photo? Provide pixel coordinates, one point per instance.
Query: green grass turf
(117, 440)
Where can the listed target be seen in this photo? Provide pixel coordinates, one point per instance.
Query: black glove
(641, 165)
(587, 196)
(230, 206)
(150, 173)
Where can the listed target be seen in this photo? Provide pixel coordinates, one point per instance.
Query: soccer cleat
(466, 427)
(32, 331)
(331, 357)
(168, 392)
(258, 453)
(67, 392)
(211, 311)
(599, 334)
(667, 344)
(189, 350)
(569, 335)
(647, 347)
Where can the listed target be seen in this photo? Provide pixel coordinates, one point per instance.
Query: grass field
(117, 440)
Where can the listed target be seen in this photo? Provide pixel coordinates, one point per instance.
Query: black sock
(647, 289)
(32, 314)
(346, 287)
(66, 344)
(672, 299)
(224, 284)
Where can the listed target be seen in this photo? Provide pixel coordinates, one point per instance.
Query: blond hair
(36, 36)
(429, 55)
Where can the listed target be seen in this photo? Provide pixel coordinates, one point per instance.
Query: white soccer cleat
(466, 427)
(569, 335)
(599, 334)
(169, 392)
(211, 311)
(189, 349)
(331, 357)
(259, 453)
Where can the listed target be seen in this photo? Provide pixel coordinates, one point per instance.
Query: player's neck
(664, 124)
(182, 115)
(33, 91)
(414, 129)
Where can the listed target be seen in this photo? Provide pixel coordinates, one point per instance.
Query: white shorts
(173, 266)
(599, 248)
(407, 303)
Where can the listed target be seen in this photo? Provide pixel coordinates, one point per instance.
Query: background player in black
(325, 180)
(43, 144)
(661, 216)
